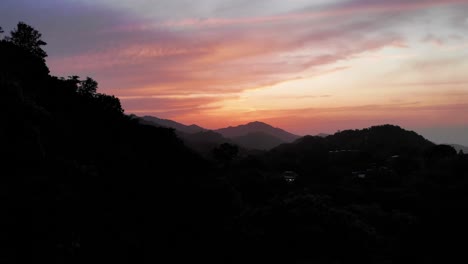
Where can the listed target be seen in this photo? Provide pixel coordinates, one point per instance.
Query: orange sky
(307, 68)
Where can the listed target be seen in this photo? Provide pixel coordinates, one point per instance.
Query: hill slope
(71, 156)
(191, 129)
(258, 141)
(384, 140)
(203, 142)
(256, 127)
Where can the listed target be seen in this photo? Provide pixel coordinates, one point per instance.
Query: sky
(306, 66)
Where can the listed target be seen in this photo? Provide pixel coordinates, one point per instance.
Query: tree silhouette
(109, 103)
(439, 152)
(28, 38)
(88, 86)
(74, 78)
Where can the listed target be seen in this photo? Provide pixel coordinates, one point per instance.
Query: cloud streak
(222, 61)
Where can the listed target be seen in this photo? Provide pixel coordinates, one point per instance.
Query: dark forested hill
(203, 142)
(258, 141)
(191, 129)
(257, 127)
(353, 150)
(382, 141)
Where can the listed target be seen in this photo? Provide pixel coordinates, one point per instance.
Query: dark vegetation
(82, 182)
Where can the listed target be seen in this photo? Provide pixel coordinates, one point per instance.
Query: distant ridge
(254, 135)
(190, 129)
(257, 127)
(460, 147)
(380, 141)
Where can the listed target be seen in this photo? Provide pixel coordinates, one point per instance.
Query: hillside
(151, 120)
(255, 127)
(203, 142)
(258, 141)
(71, 156)
(357, 148)
(382, 141)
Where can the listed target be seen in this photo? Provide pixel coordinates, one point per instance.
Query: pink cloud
(227, 56)
(229, 61)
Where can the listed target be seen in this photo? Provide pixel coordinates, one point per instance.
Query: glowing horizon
(307, 68)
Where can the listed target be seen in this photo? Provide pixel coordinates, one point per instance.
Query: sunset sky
(305, 66)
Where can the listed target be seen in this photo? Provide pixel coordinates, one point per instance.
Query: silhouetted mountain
(254, 127)
(206, 136)
(255, 135)
(322, 135)
(460, 147)
(203, 142)
(172, 124)
(195, 137)
(385, 140)
(358, 148)
(258, 141)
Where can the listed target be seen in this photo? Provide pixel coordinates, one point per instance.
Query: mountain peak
(255, 135)
(258, 124)
(257, 127)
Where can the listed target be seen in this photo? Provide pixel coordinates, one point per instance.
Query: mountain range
(385, 140)
(254, 135)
